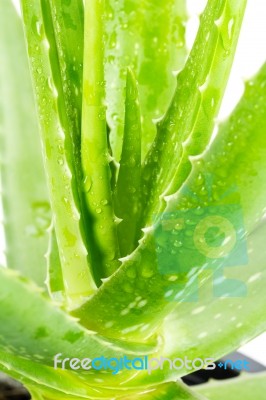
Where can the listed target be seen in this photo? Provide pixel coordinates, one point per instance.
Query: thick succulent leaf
(31, 353)
(165, 391)
(54, 279)
(58, 112)
(128, 183)
(58, 384)
(37, 389)
(94, 144)
(188, 124)
(71, 384)
(150, 39)
(171, 390)
(233, 170)
(67, 23)
(55, 384)
(247, 387)
(144, 277)
(24, 191)
(228, 312)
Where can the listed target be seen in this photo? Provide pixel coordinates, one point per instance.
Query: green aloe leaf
(232, 298)
(247, 387)
(58, 112)
(54, 278)
(176, 390)
(197, 276)
(151, 40)
(24, 191)
(94, 146)
(144, 284)
(127, 194)
(233, 169)
(166, 391)
(239, 180)
(38, 343)
(188, 124)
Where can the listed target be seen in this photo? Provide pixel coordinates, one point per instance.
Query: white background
(250, 55)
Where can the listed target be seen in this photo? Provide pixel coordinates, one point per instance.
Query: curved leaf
(127, 194)
(139, 289)
(31, 350)
(230, 304)
(54, 278)
(94, 145)
(57, 107)
(24, 191)
(171, 390)
(150, 39)
(188, 124)
(247, 387)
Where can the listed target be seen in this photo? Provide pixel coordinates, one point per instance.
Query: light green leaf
(24, 191)
(54, 278)
(58, 114)
(188, 124)
(228, 312)
(233, 170)
(94, 146)
(31, 352)
(166, 391)
(150, 39)
(179, 283)
(247, 387)
(127, 196)
(139, 289)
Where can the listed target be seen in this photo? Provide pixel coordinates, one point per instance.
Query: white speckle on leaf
(198, 310)
(109, 324)
(144, 327)
(178, 295)
(142, 303)
(254, 277)
(202, 335)
(172, 278)
(169, 293)
(125, 311)
(131, 328)
(38, 356)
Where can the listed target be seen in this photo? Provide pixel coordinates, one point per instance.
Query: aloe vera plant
(111, 182)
